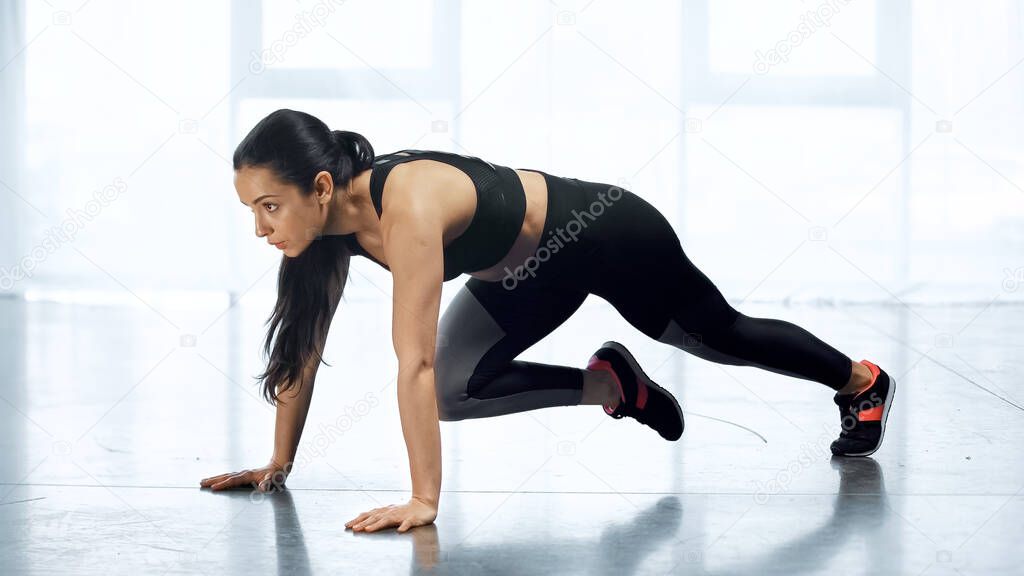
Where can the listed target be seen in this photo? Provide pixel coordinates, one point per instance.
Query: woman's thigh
(484, 328)
(645, 273)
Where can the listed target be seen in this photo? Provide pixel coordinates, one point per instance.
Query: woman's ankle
(599, 388)
(860, 378)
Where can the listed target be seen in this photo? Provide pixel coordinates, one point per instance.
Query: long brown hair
(297, 146)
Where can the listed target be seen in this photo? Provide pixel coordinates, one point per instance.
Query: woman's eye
(267, 205)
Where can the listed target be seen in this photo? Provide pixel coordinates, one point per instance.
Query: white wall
(12, 135)
(822, 177)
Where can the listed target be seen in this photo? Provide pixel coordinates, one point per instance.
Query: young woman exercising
(535, 246)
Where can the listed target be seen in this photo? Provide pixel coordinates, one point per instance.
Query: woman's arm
(413, 243)
(292, 408)
(416, 259)
(417, 408)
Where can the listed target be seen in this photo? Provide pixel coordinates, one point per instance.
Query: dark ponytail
(297, 146)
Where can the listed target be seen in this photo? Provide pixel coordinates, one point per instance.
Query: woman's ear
(323, 186)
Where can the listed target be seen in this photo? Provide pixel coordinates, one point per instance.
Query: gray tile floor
(110, 415)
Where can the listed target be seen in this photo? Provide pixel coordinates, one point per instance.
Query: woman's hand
(265, 479)
(413, 513)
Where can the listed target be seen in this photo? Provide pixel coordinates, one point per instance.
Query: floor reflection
(859, 509)
(292, 555)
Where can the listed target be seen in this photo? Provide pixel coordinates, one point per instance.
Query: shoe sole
(885, 416)
(635, 367)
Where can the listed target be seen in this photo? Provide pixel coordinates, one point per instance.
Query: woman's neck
(352, 210)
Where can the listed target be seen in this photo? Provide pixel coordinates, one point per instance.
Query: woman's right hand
(268, 478)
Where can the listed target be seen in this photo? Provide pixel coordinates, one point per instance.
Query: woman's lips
(280, 245)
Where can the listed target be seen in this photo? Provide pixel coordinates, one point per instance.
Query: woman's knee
(710, 338)
(466, 333)
(454, 377)
(449, 388)
(459, 386)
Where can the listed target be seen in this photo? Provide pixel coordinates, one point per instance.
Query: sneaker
(863, 415)
(640, 398)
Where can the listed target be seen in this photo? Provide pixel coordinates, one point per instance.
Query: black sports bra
(500, 210)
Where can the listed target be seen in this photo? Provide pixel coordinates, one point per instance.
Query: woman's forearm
(292, 408)
(417, 407)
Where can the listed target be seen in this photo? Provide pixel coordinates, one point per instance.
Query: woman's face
(284, 216)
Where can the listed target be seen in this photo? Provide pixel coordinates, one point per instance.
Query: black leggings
(604, 240)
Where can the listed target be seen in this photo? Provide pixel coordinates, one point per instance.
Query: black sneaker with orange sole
(863, 415)
(640, 397)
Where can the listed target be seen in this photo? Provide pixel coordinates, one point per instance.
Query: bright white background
(879, 162)
(879, 159)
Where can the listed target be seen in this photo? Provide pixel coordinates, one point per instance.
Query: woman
(535, 245)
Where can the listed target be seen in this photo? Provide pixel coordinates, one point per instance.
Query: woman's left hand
(413, 513)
